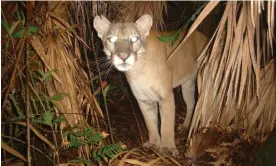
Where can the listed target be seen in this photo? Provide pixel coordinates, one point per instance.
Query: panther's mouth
(124, 67)
(124, 64)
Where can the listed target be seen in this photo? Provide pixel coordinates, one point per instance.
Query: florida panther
(135, 50)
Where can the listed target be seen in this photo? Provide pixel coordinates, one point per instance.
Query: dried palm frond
(58, 50)
(237, 77)
(137, 156)
(131, 11)
(82, 18)
(217, 146)
(201, 141)
(99, 8)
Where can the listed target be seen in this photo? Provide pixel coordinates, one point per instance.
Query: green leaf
(8, 29)
(48, 118)
(13, 27)
(112, 87)
(108, 88)
(17, 108)
(45, 75)
(19, 33)
(5, 25)
(73, 140)
(59, 119)
(32, 30)
(47, 103)
(20, 16)
(35, 108)
(55, 104)
(87, 136)
(94, 138)
(167, 38)
(58, 96)
(37, 120)
(108, 151)
(78, 134)
(20, 118)
(174, 36)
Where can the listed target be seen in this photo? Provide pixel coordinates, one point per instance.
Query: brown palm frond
(138, 156)
(237, 77)
(201, 141)
(59, 50)
(100, 7)
(130, 11)
(82, 18)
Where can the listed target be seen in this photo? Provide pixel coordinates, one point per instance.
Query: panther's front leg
(150, 113)
(167, 113)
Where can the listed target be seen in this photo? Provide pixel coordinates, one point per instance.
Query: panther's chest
(144, 88)
(146, 93)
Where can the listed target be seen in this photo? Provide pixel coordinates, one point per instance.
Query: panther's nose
(124, 56)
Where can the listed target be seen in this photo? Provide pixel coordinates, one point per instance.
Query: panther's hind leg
(188, 92)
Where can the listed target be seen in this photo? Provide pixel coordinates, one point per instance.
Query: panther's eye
(134, 39)
(113, 39)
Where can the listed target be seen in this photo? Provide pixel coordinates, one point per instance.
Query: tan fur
(152, 79)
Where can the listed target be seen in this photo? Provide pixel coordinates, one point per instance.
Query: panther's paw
(150, 145)
(169, 151)
(183, 130)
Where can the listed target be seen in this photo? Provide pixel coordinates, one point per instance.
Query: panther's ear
(101, 24)
(144, 24)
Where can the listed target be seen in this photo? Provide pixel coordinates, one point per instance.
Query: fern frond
(108, 151)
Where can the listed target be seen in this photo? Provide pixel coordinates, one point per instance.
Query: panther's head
(122, 42)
